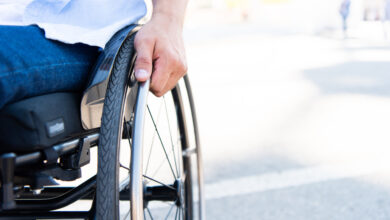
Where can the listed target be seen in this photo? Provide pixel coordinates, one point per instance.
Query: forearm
(160, 47)
(172, 10)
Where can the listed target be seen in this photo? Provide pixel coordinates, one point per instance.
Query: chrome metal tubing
(198, 149)
(136, 179)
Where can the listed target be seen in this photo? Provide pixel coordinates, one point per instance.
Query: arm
(160, 48)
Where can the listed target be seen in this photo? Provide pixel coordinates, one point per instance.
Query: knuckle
(181, 67)
(184, 68)
(171, 56)
(157, 92)
(147, 40)
(175, 62)
(143, 60)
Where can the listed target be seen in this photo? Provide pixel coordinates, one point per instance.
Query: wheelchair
(148, 152)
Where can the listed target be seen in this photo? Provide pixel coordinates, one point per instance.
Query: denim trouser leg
(32, 65)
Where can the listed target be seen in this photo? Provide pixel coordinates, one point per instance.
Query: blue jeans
(31, 65)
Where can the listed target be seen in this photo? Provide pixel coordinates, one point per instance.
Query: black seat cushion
(39, 122)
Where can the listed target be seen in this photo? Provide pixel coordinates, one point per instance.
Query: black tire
(117, 122)
(107, 192)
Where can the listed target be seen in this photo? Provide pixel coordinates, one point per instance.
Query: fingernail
(141, 74)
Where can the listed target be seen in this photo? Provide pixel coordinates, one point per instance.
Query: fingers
(168, 69)
(160, 76)
(144, 61)
(160, 58)
(171, 83)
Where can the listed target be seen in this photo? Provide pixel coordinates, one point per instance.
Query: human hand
(160, 53)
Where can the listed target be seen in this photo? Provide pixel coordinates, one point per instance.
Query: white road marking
(289, 178)
(276, 180)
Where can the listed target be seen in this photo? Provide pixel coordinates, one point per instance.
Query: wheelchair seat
(48, 137)
(39, 122)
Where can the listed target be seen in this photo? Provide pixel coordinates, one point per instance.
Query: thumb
(144, 61)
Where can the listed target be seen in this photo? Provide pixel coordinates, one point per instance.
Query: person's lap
(32, 65)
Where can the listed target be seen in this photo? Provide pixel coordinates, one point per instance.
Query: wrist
(168, 18)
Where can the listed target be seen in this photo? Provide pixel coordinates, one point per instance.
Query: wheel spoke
(159, 182)
(147, 177)
(178, 216)
(150, 213)
(178, 143)
(125, 183)
(182, 212)
(177, 209)
(153, 138)
(156, 163)
(162, 144)
(159, 166)
(150, 153)
(127, 215)
(124, 167)
(170, 134)
(169, 212)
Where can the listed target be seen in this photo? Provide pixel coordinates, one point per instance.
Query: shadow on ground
(344, 199)
(368, 78)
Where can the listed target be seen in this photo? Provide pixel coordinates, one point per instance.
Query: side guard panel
(93, 99)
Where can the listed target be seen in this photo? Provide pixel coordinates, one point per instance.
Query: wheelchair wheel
(148, 156)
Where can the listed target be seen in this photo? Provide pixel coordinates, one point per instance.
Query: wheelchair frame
(39, 206)
(71, 155)
(76, 152)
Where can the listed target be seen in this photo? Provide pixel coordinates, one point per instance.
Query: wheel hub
(173, 193)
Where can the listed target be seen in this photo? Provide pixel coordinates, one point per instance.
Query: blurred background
(293, 101)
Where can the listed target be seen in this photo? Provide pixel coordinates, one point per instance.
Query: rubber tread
(107, 193)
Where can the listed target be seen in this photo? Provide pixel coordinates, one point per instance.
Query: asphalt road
(293, 126)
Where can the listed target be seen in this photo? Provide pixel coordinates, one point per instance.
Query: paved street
(293, 126)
